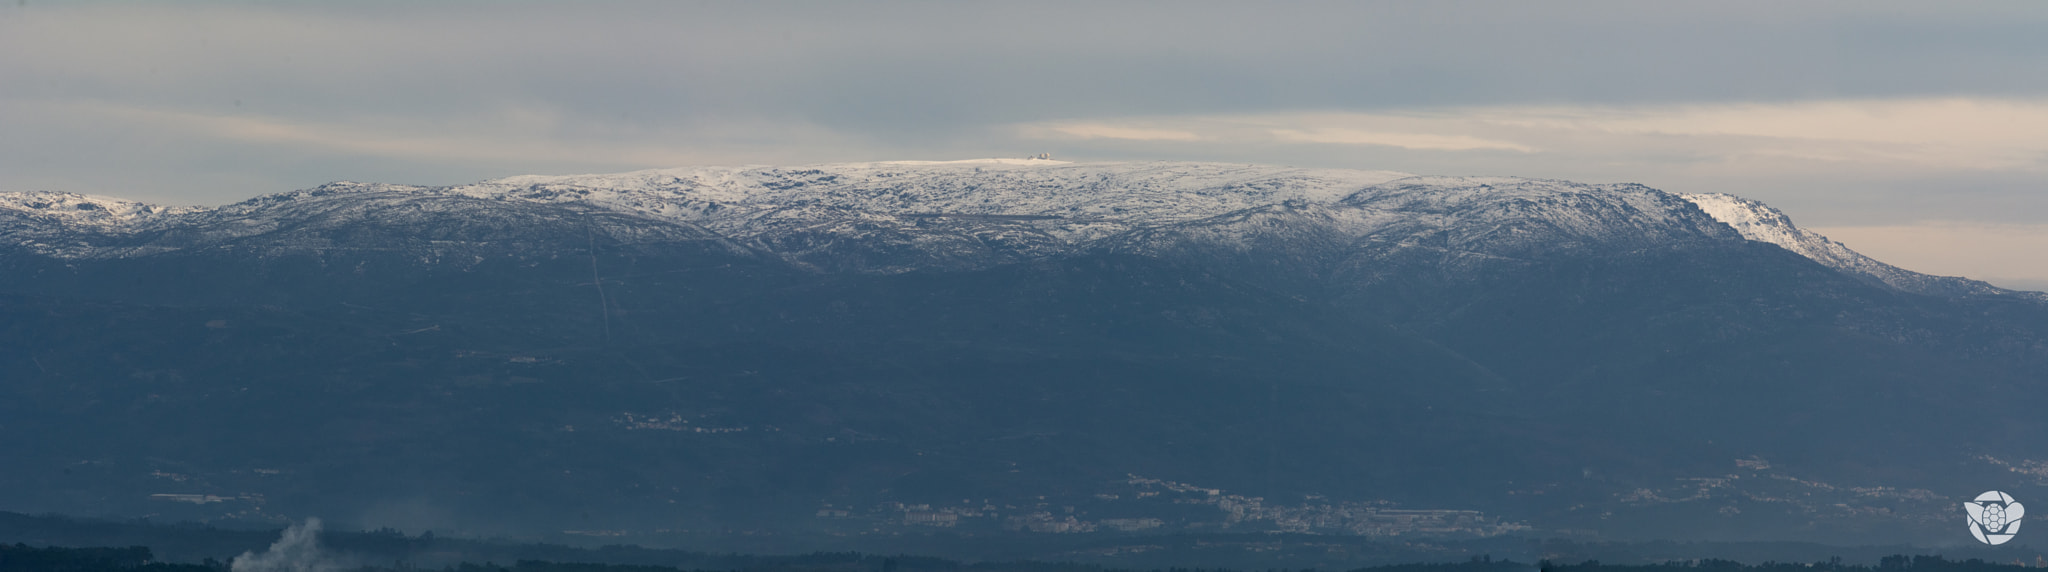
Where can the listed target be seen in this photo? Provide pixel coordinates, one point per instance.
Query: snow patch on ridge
(1759, 222)
(86, 211)
(1030, 162)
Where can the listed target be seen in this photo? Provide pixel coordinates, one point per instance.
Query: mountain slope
(1759, 222)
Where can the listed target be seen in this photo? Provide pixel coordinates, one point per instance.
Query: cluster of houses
(1232, 512)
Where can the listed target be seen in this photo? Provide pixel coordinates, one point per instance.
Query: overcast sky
(1915, 132)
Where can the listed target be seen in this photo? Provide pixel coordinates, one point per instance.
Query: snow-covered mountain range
(705, 344)
(891, 217)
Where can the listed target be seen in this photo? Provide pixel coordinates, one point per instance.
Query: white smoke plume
(297, 550)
